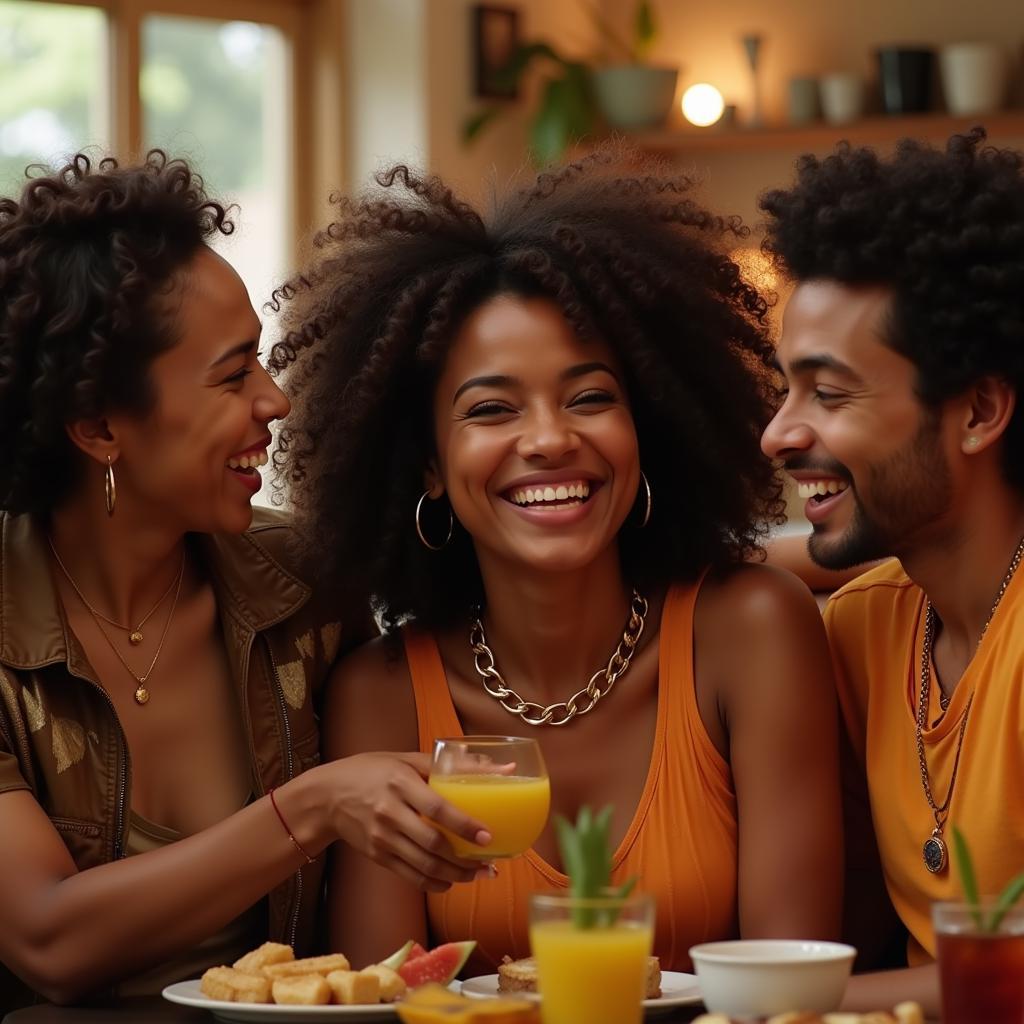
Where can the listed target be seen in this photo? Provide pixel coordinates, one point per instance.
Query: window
(235, 85)
(53, 88)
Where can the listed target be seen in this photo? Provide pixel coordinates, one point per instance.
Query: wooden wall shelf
(821, 136)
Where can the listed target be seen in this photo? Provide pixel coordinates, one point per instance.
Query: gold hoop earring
(419, 528)
(110, 487)
(647, 508)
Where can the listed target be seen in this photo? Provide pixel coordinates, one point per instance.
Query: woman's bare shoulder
(370, 699)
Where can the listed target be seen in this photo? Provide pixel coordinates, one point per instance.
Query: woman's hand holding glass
(381, 806)
(501, 780)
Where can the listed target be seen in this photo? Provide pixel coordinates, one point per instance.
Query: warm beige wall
(410, 88)
(501, 151)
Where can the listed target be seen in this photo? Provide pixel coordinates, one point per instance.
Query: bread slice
(521, 976)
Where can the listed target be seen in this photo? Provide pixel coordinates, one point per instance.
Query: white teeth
(810, 488)
(560, 492)
(249, 461)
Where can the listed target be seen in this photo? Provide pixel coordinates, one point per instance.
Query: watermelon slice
(416, 950)
(440, 965)
(406, 952)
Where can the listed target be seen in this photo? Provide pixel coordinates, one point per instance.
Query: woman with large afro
(530, 438)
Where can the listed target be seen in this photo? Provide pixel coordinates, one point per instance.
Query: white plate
(677, 989)
(187, 993)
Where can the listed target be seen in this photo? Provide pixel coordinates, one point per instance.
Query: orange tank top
(681, 841)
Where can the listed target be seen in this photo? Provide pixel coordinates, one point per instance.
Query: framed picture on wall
(495, 38)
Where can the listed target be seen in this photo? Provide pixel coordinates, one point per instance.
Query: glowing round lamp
(702, 104)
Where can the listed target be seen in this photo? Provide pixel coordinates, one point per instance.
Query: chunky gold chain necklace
(580, 702)
(141, 690)
(934, 849)
(135, 636)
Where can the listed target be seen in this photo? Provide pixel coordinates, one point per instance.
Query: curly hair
(628, 256)
(944, 230)
(88, 260)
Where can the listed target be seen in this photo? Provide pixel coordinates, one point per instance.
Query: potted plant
(576, 98)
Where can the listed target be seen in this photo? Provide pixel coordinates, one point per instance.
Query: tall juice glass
(499, 780)
(591, 957)
(981, 969)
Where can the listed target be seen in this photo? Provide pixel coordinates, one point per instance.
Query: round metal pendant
(934, 852)
(135, 638)
(141, 695)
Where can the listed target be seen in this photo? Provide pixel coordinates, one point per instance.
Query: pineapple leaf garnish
(587, 859)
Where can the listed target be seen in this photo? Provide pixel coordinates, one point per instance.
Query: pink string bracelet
(284, 825)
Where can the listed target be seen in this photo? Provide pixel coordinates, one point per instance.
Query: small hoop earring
(647, 508)
(110, 487)
(419, 528)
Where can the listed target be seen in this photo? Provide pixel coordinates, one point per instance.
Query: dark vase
(906, 79)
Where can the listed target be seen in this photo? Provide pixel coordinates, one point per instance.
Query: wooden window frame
(314, 31)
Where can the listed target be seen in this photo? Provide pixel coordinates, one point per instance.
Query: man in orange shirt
(903, 351)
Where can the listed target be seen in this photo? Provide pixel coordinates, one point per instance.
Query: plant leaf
(644, 29)
(475, 123)
(968, 879)
(1007, 898)
(521, 58)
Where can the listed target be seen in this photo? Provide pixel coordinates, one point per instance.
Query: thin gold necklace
(142, 693)
(135, 636)
(934, 849)
(580, 702)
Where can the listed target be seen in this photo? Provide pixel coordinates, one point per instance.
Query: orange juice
(590, 975)
(513, 807)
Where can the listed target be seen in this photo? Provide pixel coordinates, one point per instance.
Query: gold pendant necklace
(933, 851)
(135, 636)
(141, 694)
(580, 702)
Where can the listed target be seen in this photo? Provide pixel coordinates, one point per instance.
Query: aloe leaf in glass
(1006, 901)
(587, 860)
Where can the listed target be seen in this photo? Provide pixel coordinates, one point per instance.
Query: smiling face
(536, 446)
(192, 460)
(871, 460)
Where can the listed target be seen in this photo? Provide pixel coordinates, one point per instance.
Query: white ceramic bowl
(759, 977)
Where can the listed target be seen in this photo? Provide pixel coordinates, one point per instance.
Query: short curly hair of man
(944, 230)
(89, 257)
(628, 256)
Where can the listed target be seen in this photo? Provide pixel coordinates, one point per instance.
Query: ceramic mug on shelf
(842, 97)
(974, 77)
(803, 100)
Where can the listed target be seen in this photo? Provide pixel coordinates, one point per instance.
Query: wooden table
(142, 1011)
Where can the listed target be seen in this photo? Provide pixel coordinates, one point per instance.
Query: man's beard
(910, 491)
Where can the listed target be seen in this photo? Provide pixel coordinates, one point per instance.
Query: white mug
(974, 77)
(842, 97)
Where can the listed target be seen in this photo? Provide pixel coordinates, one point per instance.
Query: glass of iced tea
(981, 962)
(499, 780)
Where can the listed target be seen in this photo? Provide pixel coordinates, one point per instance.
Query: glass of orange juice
(591, 956)
(499, 780)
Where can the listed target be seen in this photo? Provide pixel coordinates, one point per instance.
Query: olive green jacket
(60, 737)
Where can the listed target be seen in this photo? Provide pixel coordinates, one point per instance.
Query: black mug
(906, 78)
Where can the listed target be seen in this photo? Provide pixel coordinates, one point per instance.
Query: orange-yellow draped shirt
(876, 629)
(681, 841)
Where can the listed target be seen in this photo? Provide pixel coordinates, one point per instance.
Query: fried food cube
(392, 985)
(795, 1017)
(712, 1018)
(354, 988)
(908, 1013)
(234, 986)
(310, 965)
(301, 990)
(267, 954)
(842, 1018)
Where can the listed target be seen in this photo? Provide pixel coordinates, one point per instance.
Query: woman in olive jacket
(161, 656)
